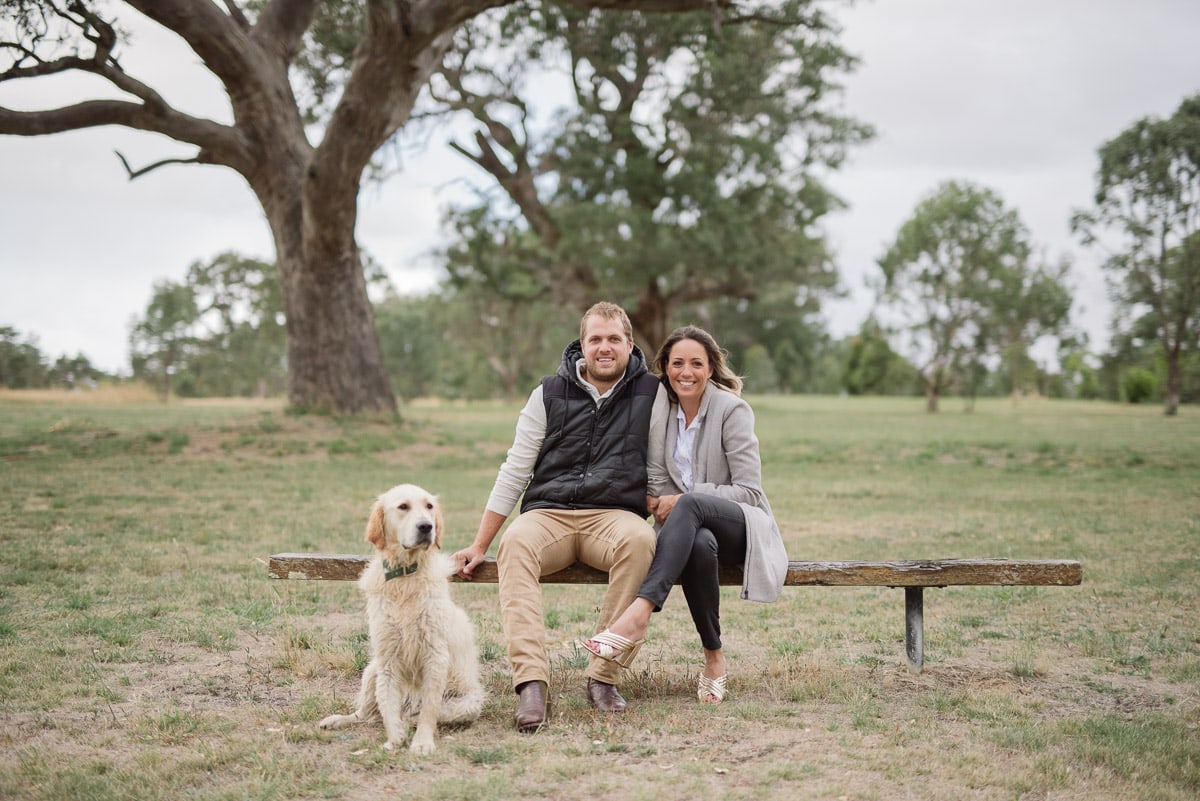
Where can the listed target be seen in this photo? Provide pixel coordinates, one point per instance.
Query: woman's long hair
(722, 376)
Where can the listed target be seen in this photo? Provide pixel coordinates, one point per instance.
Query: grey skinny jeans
(701, 533)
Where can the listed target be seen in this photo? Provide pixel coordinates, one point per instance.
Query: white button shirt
(685, 446)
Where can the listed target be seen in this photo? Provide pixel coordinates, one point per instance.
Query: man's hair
(609, 311)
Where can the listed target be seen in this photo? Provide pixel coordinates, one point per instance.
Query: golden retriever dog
(424, 667)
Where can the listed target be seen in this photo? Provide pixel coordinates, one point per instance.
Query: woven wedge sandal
(711, 691)
(614, 647)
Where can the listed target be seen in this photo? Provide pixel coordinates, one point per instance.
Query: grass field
(145, 655)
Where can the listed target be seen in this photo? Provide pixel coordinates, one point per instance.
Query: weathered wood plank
(937, 573)
(914, 573)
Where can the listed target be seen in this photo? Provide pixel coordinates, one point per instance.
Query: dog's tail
(459, 710)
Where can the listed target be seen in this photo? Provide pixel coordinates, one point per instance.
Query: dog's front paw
(390, 745)
(336, 721)
(422, 746)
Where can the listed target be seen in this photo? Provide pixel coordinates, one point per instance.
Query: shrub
(1139, 384)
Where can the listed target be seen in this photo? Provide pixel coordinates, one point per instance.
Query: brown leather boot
(531, 706)
(604, 696)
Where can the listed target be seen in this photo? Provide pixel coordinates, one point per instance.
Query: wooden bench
(914, 576)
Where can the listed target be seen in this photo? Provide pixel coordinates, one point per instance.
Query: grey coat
(726, 463)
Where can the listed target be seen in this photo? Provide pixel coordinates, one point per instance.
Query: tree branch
(394, 59)
(149, 167)
(220, 40)
(281, 26)
(103, 69)
(219, 143)
(651, 6)
(236, 14)
(485, 158)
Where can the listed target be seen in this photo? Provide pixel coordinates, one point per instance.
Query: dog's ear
(437, 524)
(375, 533)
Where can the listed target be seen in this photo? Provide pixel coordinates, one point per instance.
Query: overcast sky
(1016, 96)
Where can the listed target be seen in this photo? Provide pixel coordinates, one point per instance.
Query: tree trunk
(310, 197)
(334, 358)
(1171, 396)
(649, 319)
(335, 363)
(933, 380)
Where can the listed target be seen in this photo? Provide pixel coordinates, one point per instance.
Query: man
(579, 457)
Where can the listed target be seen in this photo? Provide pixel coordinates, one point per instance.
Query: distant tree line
(195, 341)
(24, 366)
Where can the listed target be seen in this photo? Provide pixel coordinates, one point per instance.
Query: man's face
(605, 351)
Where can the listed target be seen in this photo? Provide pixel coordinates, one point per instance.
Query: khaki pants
(546, 540)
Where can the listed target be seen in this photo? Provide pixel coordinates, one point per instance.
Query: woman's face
(688, 369)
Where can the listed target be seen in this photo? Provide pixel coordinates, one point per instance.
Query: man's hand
(469, 558)
(663, 508)
(466, 560)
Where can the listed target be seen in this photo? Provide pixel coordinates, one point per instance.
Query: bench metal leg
(914, 627)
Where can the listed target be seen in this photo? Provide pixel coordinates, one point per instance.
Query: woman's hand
(663, 508)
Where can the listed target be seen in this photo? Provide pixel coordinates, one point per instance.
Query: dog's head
(405, 517)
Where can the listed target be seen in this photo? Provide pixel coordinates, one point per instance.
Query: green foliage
(1080, 379)
(827, 369)
(873, 368)
(1140, 385)
(1135, 344)
(684, 173)
(21, 363)
(788, 326)
(760, 371)
(466, 343)
(415, 343)
(1148, 201)
(962, 277)
(160, 341)
(24, 366)
(241, 343)
(324, 62)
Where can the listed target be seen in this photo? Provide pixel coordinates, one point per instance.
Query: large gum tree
(305, 176)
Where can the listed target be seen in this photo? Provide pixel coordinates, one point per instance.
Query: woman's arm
(739, 446)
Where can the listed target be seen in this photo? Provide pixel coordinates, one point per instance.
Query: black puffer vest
(593, 458)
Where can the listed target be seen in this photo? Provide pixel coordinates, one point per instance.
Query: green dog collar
(398, 572)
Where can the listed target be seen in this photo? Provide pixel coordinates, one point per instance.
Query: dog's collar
(398, 572)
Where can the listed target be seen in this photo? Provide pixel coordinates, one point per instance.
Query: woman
(705, 485)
